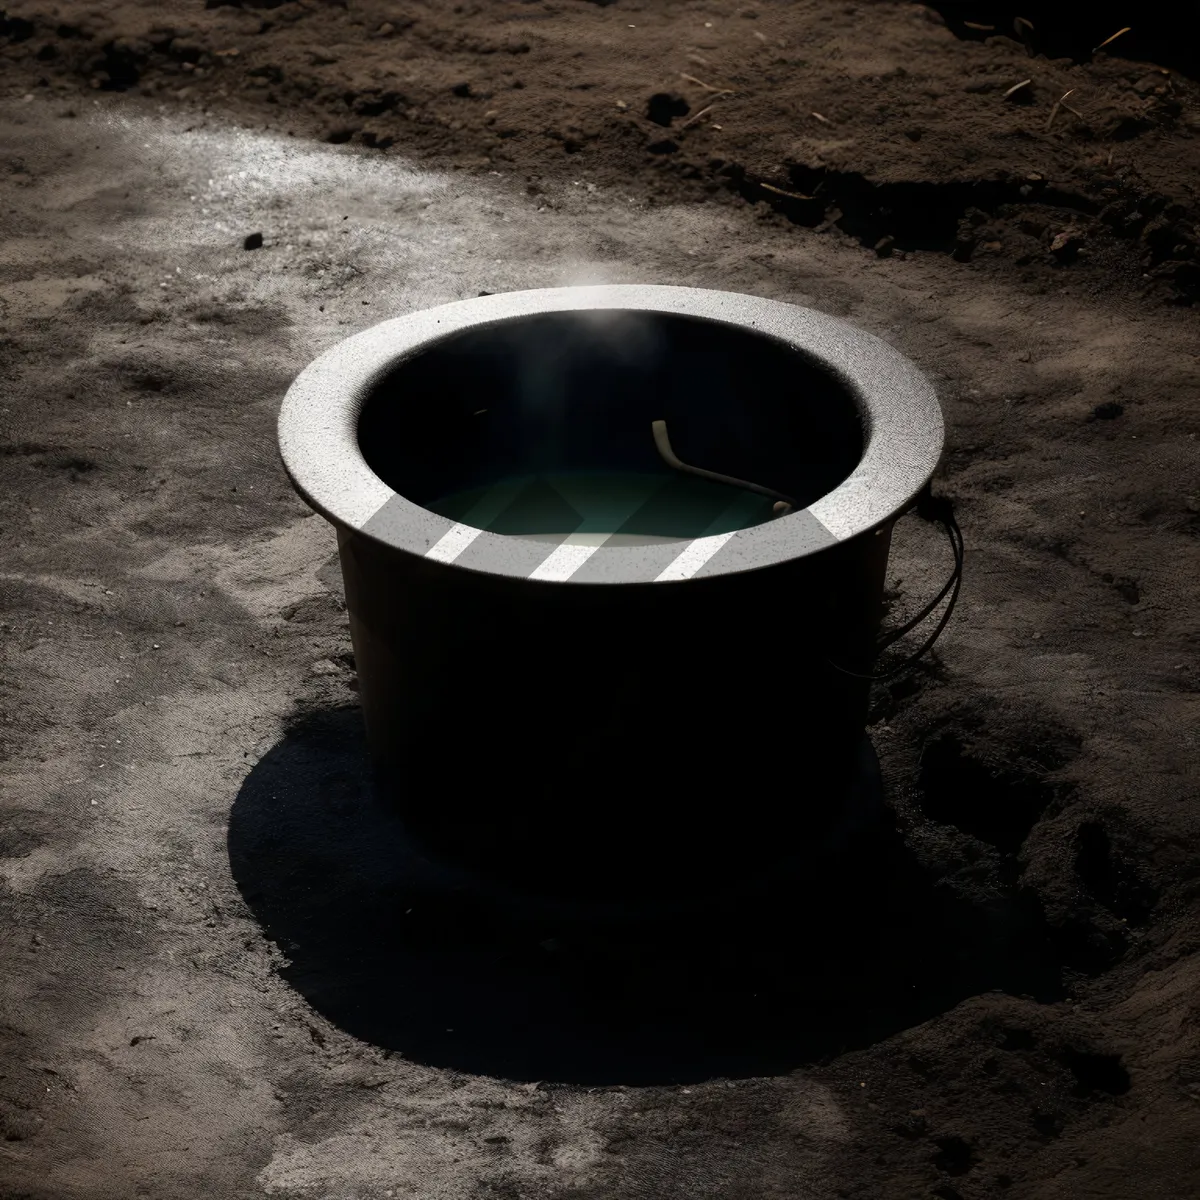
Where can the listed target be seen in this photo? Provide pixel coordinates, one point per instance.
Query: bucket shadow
(397, 953)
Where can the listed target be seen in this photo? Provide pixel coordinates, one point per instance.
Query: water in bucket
(629, 506)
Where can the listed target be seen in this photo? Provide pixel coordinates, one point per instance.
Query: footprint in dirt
(996, 793)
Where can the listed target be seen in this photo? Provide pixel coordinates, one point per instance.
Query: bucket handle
(926, 505)
(929, 508)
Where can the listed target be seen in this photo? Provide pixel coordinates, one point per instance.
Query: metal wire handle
(929, 508)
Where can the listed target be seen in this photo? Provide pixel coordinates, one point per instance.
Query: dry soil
(216, 980)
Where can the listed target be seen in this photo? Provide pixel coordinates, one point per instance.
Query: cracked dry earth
(217, 978)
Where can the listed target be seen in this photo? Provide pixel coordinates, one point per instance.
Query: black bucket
(614, 562)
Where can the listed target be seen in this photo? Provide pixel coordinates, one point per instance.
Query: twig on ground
(770, 187)
(1113, 38)
(1024, 30)
(980, 28)
(826, 120)
(708, 87)
(1016, 87)
(696, 116)
(1057, 105)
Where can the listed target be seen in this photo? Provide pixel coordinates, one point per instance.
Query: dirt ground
(219, 975)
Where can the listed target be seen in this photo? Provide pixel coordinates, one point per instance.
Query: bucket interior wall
(566, 394)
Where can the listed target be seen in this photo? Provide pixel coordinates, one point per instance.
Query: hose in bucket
(663, 442)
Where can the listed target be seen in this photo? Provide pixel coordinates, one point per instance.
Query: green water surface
(635, 505)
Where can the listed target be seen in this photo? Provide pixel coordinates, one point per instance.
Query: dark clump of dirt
(663, 107)
(916, 215)
(954, 1156)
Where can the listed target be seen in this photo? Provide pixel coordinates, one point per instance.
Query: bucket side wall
(516, 722)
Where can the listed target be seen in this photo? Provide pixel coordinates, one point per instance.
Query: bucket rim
(901, 418)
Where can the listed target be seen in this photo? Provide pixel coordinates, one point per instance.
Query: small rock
(1066, 245)
(912, 1127)
(253, 241)
(1149, 84)
(386, 29)
(883, 247)
(323, 666)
